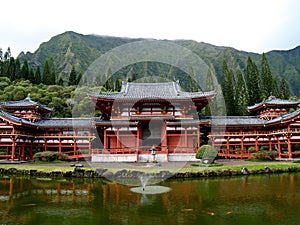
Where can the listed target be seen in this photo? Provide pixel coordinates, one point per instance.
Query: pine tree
(25, 70)
(228, 83)
(17, 69)
(46, 74)
(252, 82)
(72, 77)
(266, 77)
(31, 75)
(284, 89)
(241, 95)
(11, 69)
(37, 76)
(275, 90)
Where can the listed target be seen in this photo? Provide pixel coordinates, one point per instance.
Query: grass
(65, 168)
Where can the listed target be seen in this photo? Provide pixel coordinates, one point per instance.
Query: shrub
(252, 148)
(265, 155)
(206, 153)
(50, 156)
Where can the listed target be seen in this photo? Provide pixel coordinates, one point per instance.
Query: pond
(265, 199)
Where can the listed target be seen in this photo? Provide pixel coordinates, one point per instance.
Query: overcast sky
(255, 26)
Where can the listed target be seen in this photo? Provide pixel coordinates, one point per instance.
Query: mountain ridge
(71, 48)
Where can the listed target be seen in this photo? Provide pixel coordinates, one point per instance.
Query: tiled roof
(236, 120)
(25, 103)
(285, 117)
(166, 90)
(272, 101)
(15, 119)
(64, 122)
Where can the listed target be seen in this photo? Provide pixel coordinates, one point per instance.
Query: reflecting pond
(265, 199)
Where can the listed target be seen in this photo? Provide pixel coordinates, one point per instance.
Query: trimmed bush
(265, 155)
(50, 156)
(206, 153)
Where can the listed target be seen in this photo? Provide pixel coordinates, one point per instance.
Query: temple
(149, 122)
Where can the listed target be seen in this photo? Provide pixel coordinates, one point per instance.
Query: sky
(255, 26)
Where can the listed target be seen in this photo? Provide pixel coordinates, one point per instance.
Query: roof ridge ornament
(28, 97)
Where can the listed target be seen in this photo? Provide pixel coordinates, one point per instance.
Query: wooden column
(278, 146)
(242, 145)
(164, 137)
(227, 146)
(105, 139)
(198, 137)
(118, 138)
(30, 150)
(13, 149)
(256, 143)
(23, 150)
(59, 141)
(289, 146)
(185, 138)
(138, 136)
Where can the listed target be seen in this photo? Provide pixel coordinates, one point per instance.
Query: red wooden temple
(147, 117)
(147, 120)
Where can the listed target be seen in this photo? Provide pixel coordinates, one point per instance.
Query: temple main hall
(149, 121)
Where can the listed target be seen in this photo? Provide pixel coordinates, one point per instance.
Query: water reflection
(268, 199)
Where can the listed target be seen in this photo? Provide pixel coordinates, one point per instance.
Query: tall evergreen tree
(241, 95)
(17, 69)
(46, 73)
(266, 77)
(228, 83)
(284, 89)
(72, 77)
(275, 90)
(31, 75)
(37, 76)
(25, 70)
(252, 82)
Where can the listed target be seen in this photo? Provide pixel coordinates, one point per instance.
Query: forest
(18, 79)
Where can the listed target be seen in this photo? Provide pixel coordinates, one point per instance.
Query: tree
(241, 95)
(252, 82)
(228, 83)
(72, 77)
(31, 75)
(266, 77)
(284, 89)
(275, 90)
(46, 73)
(37, 76)
(25, 70)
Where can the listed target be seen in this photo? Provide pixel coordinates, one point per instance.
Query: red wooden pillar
(198, 137)
(185, 138)
(30, 150)
(45, 144)
(118, 139)
(138, 137)
(13, 149)
(256, 143)
(279, 146)
(23, 150)
(59, 141)
(242, 145)
(289, 146)
(90, 142)
(105, 144)
(164, 137)
(75, 144)
(227, 146)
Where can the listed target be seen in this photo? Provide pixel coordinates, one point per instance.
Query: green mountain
(71, 48)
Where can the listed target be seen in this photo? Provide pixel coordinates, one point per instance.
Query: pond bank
(163, 170)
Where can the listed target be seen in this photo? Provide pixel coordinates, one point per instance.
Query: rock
(107, 174)
(245, 171)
